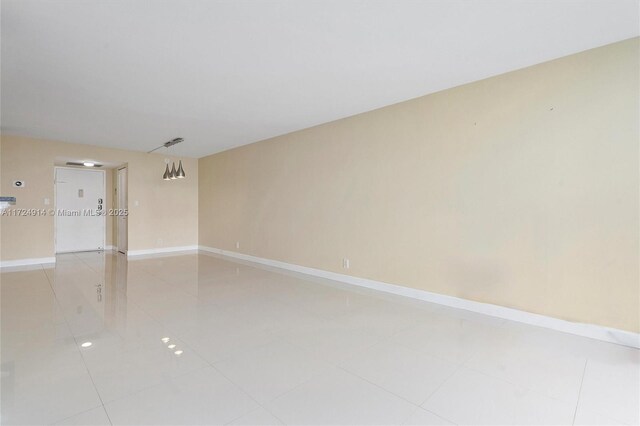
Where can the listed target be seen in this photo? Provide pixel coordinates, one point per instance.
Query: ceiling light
(86, 344)
(83, 164)
(165, 339)
(171, 346)
(180, 173)
(178, 352)
(171, 173)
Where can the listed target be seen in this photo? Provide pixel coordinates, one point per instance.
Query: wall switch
(136, 203)
(159, 241)
(345, 263)
(237, 244)
(47, 201)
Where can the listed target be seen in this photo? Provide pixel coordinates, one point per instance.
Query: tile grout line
(458, 368)
(147, 387)
(351, 373)
(85, 262)
(584, 371)
(78, 349)
(418, 406)
(77, 414)
(512, 383)
(239, 388)
(212, 365)
(453, 373)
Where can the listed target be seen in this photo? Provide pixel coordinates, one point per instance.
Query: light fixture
(86, 344)
(84, 164)
(178, 352)
(165, 339)
(171, 346)
(180, 173)
(171, 174)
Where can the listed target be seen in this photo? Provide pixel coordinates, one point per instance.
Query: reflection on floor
(197, 339)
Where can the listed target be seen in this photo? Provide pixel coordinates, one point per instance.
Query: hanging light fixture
(180, 174)
(171, 174)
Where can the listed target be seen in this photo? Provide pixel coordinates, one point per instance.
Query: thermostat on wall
(19, 183)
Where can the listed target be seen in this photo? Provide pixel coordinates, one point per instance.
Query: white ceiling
(133, 74)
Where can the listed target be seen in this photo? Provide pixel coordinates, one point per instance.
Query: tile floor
(197, 339)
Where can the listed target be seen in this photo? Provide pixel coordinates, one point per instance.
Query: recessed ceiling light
(178, 352)
(86, 344)
(88, 164)
(165, 339)
(171, 346)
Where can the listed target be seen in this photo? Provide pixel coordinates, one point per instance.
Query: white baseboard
(25, 262)
(593, 331)
(163, 250)
(133, 253)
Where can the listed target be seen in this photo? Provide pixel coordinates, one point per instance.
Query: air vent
(71, 163)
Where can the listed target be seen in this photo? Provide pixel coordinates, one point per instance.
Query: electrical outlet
(237, 244)
(345, 263)
(159, 241)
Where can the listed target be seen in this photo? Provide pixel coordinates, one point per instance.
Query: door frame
(55, 205)
(118, 207)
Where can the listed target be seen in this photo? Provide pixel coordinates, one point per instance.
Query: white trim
(116, 202)
(593, 331)
(24, 262)
(134, 253)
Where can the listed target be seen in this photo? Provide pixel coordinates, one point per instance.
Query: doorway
(80, 220)
(122, 211)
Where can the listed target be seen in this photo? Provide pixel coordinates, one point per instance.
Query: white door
(121, 218)
(80, 220)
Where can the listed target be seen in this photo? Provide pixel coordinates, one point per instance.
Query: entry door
(80, 220)
(121, 219)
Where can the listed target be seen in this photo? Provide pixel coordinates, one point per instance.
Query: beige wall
(167, 210)
(520, 190)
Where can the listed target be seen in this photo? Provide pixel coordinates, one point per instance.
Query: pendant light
(165, 176)
(172, 174)
(180, 174)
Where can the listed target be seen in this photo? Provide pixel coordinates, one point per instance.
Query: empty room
(320, 212)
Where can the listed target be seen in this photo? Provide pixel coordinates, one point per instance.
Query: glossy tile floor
(196, 339)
